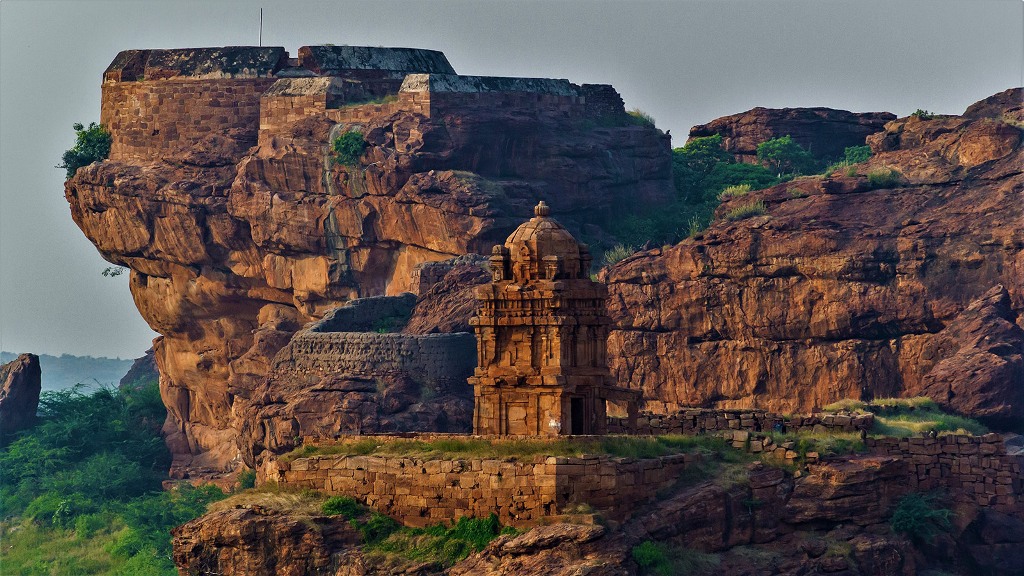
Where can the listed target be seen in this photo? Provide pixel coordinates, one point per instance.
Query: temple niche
(542, 334)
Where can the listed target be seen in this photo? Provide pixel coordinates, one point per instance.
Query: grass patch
(825, 444)
(617, 253)
(746, 211)
(441, 544)
(641, 118)
(734, 191)
(903, 417)
(884, 178)
(273, 496)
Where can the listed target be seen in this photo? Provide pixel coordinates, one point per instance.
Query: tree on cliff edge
(92, 144)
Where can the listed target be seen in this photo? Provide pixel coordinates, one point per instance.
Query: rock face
(142, 372)
(222, 196)
(259, 542)
(847, 286)
(824, 132)
(20, 384)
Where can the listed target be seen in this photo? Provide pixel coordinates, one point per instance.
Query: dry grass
(902, 417)
(276, 498)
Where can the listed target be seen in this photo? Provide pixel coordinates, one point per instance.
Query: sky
(685, 62)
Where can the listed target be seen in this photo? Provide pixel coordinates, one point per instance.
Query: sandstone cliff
(824, 132)
(903, 277)
(222, 196)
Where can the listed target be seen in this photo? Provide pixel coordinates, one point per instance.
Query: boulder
(20, 384)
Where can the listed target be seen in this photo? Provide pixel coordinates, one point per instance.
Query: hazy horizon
(684, 62)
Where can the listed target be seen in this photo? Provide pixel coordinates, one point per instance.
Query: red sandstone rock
(824, 132)
(843, 290)
(447, 303)
(237, 235)
(557, 550)
(257, 542)
(20, 385)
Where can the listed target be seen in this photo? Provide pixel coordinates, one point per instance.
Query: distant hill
(64, 371)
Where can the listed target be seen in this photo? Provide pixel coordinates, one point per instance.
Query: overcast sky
(684, 62)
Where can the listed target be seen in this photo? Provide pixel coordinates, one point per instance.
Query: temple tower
(542, 336)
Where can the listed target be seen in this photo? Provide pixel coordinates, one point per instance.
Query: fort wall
(419, 492)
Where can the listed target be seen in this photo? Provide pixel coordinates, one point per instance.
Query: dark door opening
(577, 416)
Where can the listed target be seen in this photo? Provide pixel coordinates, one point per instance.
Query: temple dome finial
(541, 210)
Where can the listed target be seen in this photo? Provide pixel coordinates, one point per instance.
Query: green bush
(92, 144)
(641, 118)
(856, 154)
(883, 178)
(247, 479)
(342, 506)
(650, 556)
(917, 516)
(348, 147)
(617, 254)
(784, 156)
(922, 114)
(746, 211)
(734, 191)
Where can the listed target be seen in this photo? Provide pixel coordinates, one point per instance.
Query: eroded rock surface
(824, 132)
(222, 197)
(845, 288)
(20, 385)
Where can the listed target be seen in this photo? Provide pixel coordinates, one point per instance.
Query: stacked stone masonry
(700, 421)
(970, 468)
(420, 492)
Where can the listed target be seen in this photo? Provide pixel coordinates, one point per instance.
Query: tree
(91, 144)
(694, 162)
(784, 156)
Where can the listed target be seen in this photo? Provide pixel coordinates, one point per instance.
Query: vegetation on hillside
(81, 492)
(903, 417)
(92, 144)
(348, 147)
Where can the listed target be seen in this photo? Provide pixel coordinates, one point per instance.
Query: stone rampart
(442, 361)
(154, 118)
(701, 421)
(419, 492)
(974, 469)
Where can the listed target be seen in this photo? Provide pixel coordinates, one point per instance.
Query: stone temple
(542, 333)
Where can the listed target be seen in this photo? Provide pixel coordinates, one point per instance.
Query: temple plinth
(542, 336)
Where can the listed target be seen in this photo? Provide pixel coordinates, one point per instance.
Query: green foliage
(856, 154)
(442, 544)
(694, 162)
(343, 506)
(376, 528)
(918, 516)
(725, 175)
(784, 156)
(922, 114)
(641, 118)
(733, 191)
(91, 471)
(618, 253)
(661, 560)
(883, 178)
(348, 147)
(746, 211)
(91, 144)
(247, 480)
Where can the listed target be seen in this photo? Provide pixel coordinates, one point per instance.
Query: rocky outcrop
(848, 286)
(142, 372)
(447, 298)
(20, 384)
(254, 541)
(558, 550)
(223, 198)
(824, 132)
